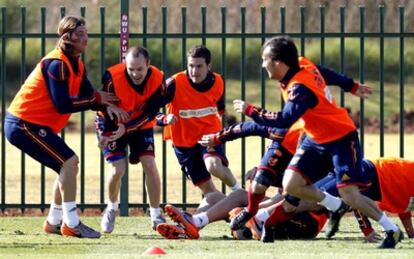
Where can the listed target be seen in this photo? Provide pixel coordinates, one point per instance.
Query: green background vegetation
(368, 71)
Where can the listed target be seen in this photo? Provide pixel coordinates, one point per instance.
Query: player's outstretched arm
(242, 130)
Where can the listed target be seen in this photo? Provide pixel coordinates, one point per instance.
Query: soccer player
(197, 101)
(57, 87)
(328, 130)
(140, 88)
(275, 154)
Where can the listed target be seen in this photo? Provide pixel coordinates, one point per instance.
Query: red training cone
(155, 250)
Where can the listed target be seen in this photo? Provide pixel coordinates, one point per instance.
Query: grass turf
(21, 237)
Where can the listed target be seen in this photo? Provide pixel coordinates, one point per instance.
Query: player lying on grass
(281, 216)
(281, 157)
(303, 225)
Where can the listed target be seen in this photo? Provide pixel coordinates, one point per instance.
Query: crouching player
(57, 87)
(390, 185)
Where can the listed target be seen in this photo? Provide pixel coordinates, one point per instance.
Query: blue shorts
(39, 142)
(192, 163)
(345, 154)
(370, 188)
(140, 143)
(273, 165)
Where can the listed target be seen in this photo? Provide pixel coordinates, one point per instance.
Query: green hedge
(233, 57)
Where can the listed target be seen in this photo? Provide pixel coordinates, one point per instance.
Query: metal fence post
(402, 9)
(361, 73)
(3, 106)
(22, 78)
(243, 86)
(124, 24)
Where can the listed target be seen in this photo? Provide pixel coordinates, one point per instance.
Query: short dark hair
(200, 51)
(135, 51)
(282, 48)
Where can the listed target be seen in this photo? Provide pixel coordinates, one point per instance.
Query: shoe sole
(50, 229)
(171, 232)
(177, 217)
(67, 231)
(107, 231)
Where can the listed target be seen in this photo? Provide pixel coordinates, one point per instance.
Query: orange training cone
(155, 250)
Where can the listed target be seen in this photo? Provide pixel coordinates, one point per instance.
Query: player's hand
(116, 112)
(118, 133)
(373, 237)
(170, 119)
(362, 90)
(107, 98)
(103, 141)
(239, 106)
(209, 140)
(250, 174)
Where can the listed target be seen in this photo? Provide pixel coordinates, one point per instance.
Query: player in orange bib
(140, 88)
(57, 87)
(329, 130)
(196, 99)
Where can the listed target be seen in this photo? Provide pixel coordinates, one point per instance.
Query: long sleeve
(56, 75)
(249, 128)
(103, 124)
(332, 77)
(300, 100)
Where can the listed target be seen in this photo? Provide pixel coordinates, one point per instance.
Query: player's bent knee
(117, 174)
(214, 166)
(148, 165)
(207, 187)
(258, 188)
(70, 166)
(349, 194)
(293, 182)
(209, 200)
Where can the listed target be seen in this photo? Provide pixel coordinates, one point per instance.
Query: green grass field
(21, 237)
